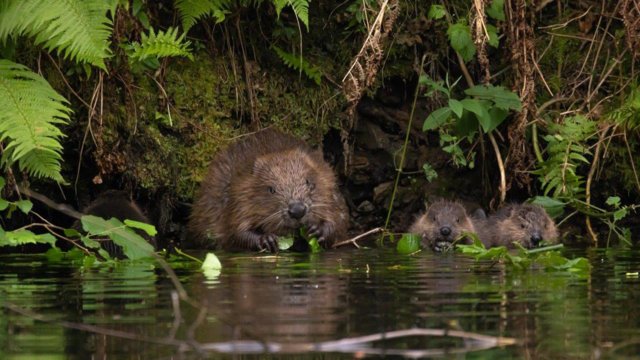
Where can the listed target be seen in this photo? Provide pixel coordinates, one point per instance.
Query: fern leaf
(31, 111)
(77, 29)
(300, 64)
(193, 10)
(300, 8)
(162, 44)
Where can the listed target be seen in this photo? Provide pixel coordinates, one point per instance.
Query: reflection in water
(301, 298)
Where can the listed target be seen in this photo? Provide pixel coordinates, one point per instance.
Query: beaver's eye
(434, 218)
(310, 184)
(272, 190)
(522, 226)
(457, 220)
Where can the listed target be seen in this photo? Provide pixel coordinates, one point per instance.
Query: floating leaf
(408, 244)
(211, 262)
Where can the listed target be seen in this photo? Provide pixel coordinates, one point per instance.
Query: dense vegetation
(534, 102)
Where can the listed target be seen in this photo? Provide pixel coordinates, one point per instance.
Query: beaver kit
(442, 224)
(527, 224)
(266, 185)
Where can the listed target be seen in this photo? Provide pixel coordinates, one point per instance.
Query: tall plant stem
(404, 147)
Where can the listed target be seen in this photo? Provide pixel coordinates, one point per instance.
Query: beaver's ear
(479, 214)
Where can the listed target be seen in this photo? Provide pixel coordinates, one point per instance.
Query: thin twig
(356, 238)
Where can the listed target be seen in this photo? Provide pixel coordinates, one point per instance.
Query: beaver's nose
(445, 230)
(297, 210)
(536, 239)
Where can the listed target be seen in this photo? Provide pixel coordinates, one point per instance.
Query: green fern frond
(300, 8)
(627, 114)
(31, 111)
(300, 64)
(77, 29)
(162, 44)
(567, 149)
(193, 10)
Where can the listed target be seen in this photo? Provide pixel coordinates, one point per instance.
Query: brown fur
(527, 224)
(244, 201)
(442, 224)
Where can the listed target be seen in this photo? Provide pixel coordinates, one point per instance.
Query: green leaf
(456, 107)
(2, 182)
(285, 242)
(429, 172)
(314, 245)
(147, 228)
(29, 120)
(212, 262)
(300, 64)
(494, 40)
(408, 244)
(461, 40)
(613, 201)
(436, 119)
(300, 8)
(24, 205)
(436, 12)
(76, 29)
(501, 97)
(133, 245)
(89, 242)
(193, 10)
(479, 108)
(163, 44)
(554, 208)
(3, 204)
(467, 125)
(432, 85)
(22, 237)
(620, 214)
(496, 10)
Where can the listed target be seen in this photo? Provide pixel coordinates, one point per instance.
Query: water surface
(311, 298)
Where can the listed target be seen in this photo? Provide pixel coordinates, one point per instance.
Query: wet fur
(441, 214)
(243, 202)
(516, 223)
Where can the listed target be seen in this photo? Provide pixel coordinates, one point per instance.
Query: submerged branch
(359, 344)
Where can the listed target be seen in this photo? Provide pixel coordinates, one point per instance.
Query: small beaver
(527, 224)
(442, 224)
(264, 186)
(116, 204)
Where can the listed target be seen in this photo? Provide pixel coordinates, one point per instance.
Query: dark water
(297, 299)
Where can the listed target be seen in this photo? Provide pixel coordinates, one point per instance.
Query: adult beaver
(526, 224)
(442, 223)
(266, 185)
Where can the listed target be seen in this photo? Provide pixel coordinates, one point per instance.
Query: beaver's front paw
(323, 232)
(268, 242)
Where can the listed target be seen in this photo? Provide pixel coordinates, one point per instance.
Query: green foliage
(193, 10)
(300, 8)
(31, 111)
(461, 40)
(546, 257)
(436, 12)
(627, 114)
(566, 151)
(163, 44)
(299, 64)
(77, 29)
(496, 10)
(429, 172)
(133, 245)
(486, 106)
(408, 244)
(554, 207)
